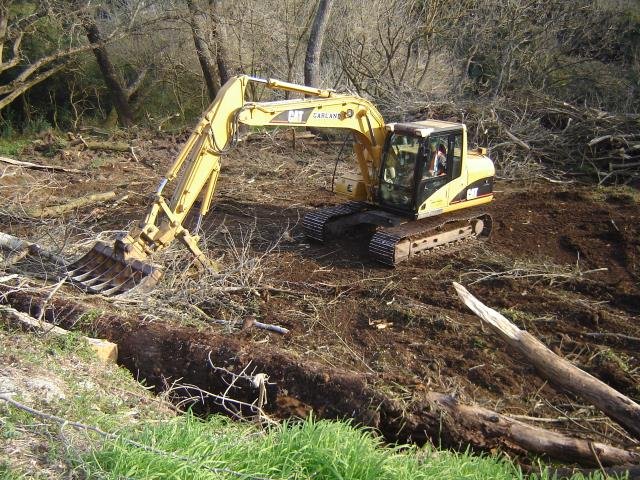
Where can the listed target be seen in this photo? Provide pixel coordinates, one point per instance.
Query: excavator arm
(113, 270)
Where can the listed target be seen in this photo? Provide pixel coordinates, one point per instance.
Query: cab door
(402, 154)
(457, 181)
(440, 180)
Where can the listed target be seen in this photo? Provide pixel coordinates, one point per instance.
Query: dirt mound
(571, 227)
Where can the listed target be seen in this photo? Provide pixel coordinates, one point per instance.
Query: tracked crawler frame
(399, 239)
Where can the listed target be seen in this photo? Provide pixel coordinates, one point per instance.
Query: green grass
(12, 147)
(188, 448)
(95, 393)
(7, 473)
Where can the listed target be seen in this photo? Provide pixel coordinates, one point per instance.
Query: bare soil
(365, 341)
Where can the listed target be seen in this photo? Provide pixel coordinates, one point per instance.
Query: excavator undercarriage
(395, 238)
(417, 188)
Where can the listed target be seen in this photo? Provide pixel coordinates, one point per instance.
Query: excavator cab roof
(423, 128)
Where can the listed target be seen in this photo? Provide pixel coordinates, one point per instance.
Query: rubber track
(314, 222)
(382, 246)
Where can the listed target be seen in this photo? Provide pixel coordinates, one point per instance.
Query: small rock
(45, 389)
(7, 386)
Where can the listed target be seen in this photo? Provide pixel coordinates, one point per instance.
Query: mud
(368, 341)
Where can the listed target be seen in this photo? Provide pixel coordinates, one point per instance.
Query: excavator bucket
(105, 271)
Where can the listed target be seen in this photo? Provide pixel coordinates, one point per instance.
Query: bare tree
(390, 50)
(199, 27)
(62, 33)
(218, 33)
(210, 42)
(117, 91)
(314, 46)
(20, 73)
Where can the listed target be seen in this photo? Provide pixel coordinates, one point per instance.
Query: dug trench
(165, 357)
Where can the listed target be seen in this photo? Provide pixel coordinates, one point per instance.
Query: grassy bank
(146, 439)
(190, 448)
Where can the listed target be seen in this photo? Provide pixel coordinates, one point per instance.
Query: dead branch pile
(527, 135)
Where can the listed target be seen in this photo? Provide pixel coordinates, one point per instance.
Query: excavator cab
(421, 167)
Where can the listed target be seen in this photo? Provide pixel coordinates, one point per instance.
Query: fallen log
(16, 257)
(106, 351)
(466, 419)
(556, 369)
(108, 146)
(35, 166)
(19, 247)
(57, 210)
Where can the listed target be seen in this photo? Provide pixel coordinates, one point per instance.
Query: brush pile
(539, 133)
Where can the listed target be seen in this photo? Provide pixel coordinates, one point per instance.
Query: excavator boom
(113, 270)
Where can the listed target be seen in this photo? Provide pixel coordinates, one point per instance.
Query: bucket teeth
(101, 270)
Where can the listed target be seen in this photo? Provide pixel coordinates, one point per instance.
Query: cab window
(437, 153)
(443, 163)
(398, 170)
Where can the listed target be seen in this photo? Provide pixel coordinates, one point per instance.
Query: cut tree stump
(556, 369)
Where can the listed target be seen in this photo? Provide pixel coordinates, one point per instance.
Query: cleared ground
(562, 262)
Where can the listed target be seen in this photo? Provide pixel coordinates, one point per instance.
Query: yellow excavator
(412, 178)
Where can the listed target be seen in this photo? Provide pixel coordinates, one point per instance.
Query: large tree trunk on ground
(314, 47)
(207, 62)
(118, 92)
(19, 246)
(481, 425)
(76, 203)
(558, 370)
